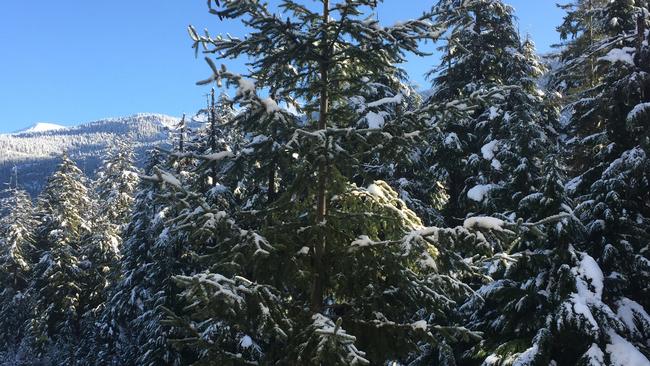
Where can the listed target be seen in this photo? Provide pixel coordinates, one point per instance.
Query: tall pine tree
(55, 288)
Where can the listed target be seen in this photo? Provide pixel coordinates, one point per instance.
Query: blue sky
(75, 61)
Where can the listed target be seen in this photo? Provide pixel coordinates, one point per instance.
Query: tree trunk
(271, 192)
(213, 135)
(181, 142)
(640, 29)
(592, 63)
(321, 196)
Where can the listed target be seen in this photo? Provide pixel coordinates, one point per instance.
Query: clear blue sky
(74, 61)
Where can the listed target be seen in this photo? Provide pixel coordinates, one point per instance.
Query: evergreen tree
(490, 152)
(115, 184)
(549, 303)
(55, 287)
(340, 282)
(613, 38)
(129, 330)
(16, 248)
(580, 31)
(611, 188)
(100, 252)
(586, 287)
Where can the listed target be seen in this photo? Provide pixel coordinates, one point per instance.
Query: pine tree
(593, 300)
(489, 78)
(55, 287)
(129, 329)
(100, 252)
(580, 31)
(115, 184)
(549, 303)
(612, 27)
(219, 138)
(16, 248)
(611, 188)
(320, 251)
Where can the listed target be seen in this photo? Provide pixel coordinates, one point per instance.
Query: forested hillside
(327, 213)
(30, 156)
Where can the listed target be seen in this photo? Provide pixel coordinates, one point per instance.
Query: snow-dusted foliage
(327, 213)
(489, 155)
(16, 250)
(56, 293)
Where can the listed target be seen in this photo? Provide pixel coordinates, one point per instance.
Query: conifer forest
(327, 212)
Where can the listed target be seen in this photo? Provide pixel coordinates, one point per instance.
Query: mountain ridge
(40, 127)
(32, 154)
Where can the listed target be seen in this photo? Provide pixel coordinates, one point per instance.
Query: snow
(491, 360)
(246, 86)
(362, 241)
(630, 312)
(270, 105)
(589, 270)
(484, 222)
(170, 179)
(623, 353)
(376, 191)
(579, 305)
(479, 192)
(42, 127)
(451, 140)
(595, 356)
(573, 184)
(303, 251)
(625, 55)
(427, 261)
(219, 155)
(494, 113)
(496, 164)
(489, 149)
(246, 342)
(420, 324)
(390, 100)
(589, 284)
(412, 134)
(527, 357)
(375, 120)
(637, 110)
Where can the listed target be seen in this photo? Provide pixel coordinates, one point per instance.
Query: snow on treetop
(623, 353)
(638, 110)
(595, 355)
(420, 324)
(389, 100)
(591, 272)
(489, 149)
(375, 120)
(480, 191)
(270, 105)
(484, 222)
(632, 314)
(625, 55)
(245, 86)
(375, 190)
(218, 155)
(246, 342)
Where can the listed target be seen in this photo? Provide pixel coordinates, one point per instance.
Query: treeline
(339, 218)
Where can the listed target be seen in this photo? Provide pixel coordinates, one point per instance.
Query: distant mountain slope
(34, 152)
(41, 127)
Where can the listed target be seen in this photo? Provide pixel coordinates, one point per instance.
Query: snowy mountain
(35, 150)
(41, 127)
